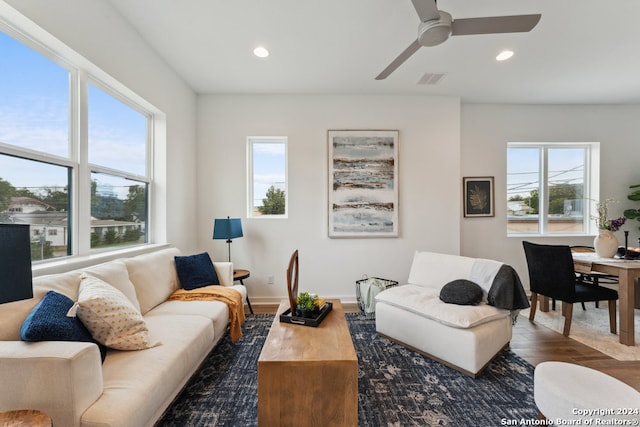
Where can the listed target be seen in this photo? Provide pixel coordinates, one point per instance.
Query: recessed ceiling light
(504, 55)
(261, 52)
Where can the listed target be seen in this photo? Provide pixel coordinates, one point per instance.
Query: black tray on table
(286, 317)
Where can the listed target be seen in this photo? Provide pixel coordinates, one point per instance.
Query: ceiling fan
(436, 26)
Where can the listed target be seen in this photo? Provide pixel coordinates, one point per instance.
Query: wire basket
(366, 290)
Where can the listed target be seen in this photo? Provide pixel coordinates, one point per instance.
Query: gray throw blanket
(507, 291)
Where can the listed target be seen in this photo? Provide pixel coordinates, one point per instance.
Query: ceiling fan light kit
(435, 32)
(437, 26)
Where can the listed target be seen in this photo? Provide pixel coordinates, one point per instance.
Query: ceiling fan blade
(399, 60)
(494, 25)
(427, 9)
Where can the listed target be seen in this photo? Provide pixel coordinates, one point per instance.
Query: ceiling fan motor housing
(436, 31)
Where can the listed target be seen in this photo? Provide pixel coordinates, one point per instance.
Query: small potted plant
(306, 305)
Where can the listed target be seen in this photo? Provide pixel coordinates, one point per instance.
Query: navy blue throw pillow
(196, 271)
(48, 321)
(461, 292)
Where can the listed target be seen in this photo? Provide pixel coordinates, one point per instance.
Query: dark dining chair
(594, 277)
(551, 274)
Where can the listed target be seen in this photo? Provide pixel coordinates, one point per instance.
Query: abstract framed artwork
(478, 196)
(363, 183)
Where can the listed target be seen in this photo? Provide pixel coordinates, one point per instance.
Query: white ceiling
(582, 51)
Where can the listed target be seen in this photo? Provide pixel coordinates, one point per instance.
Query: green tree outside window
(273, 203)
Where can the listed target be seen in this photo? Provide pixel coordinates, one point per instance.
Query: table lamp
(227, 229)
(15, 263)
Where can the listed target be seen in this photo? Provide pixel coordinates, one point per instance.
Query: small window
(550, 187)
(267, 177)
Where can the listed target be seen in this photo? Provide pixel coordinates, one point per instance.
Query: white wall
(485, 131)
(429, 169)
(96, 31)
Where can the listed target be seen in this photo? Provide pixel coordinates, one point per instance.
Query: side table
(25, 418)
(240, 275)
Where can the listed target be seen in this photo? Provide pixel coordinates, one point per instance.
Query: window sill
(75, 262)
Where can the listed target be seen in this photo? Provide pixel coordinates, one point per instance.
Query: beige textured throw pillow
(110, 317)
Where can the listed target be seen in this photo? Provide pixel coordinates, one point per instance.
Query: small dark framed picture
(478, 196)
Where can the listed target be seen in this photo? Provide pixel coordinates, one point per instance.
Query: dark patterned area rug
(396, 387)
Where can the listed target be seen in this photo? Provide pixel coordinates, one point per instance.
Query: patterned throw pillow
(110, 317)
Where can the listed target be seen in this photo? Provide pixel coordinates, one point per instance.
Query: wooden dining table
(628, 272)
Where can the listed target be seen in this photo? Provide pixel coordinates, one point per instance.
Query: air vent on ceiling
(430, 78)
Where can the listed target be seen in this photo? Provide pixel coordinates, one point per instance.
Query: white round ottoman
(565, 391)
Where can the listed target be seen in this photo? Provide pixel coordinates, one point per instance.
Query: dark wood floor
(536, 344)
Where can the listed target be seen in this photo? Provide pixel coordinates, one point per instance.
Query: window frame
(591, 187)
(81, 73)
(251, 142)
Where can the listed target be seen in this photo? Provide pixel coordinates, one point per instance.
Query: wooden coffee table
(308, 376)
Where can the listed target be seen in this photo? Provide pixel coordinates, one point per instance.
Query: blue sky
(35, 114)
(34, 107)
(268, 168)
(566, 166)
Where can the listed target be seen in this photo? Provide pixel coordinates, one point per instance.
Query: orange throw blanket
(229, 296)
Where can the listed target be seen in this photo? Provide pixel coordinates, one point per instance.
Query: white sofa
(464, 337)
(67, 381)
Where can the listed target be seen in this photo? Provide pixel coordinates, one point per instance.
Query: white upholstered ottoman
(463, 337)
(465, 349)
(565, 391)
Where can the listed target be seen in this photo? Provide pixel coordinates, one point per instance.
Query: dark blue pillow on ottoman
(461, 292)
(196, 271)
(48, 321)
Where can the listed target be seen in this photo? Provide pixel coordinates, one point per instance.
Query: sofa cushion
(426, 302)
(138, 386)
(110, 316)
(461, 292)
(48, 321)
(115, 273)
(64, 283)
(196, 271)
(216, 311)
(435, 270)
(154, 277)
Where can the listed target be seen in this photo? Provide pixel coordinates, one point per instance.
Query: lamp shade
(227, 228)
(15, 263)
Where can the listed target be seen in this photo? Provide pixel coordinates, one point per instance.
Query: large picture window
(550, 187)
(78, 191)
